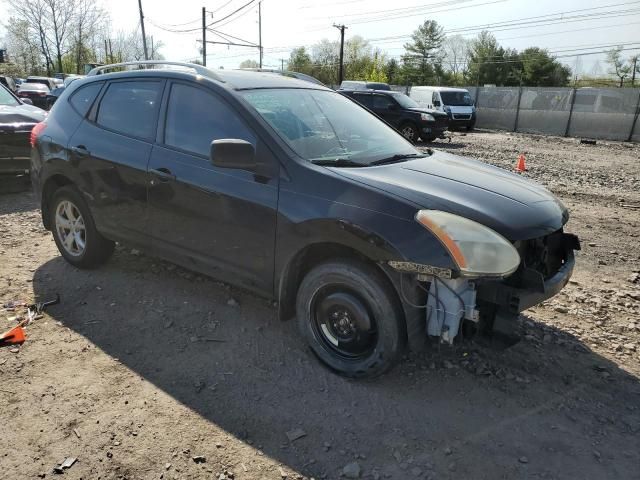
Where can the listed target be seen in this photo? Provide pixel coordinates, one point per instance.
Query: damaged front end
(495, 279)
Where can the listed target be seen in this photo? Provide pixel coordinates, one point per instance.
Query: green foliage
(377, 72)
(619, 67)
(541, 70)
(421, 65)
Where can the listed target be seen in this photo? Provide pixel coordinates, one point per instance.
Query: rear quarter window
(82, 99)
(131, 108)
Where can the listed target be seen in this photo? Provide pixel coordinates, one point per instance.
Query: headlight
(477, 250)
(427, 118)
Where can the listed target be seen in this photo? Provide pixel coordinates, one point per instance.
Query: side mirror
(436, 103)
(233, 153)
(27, 101)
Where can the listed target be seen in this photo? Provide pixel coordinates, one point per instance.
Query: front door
(220, 221)
(387, 108)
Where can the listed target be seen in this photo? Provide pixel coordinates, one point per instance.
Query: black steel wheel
(350, 316)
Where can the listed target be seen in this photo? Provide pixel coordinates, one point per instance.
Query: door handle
(163, 174)
(80, 150)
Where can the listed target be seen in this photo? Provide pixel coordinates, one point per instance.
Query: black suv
(397, 109)
(291, 190)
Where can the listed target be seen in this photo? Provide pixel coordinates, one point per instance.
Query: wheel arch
(313, 254)
(53, 183)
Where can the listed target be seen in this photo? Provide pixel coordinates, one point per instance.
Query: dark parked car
(17, 119)
(52, 97)
(412, 120)
(36, 93)
(293, 191)
(361, 85)
(8, 82)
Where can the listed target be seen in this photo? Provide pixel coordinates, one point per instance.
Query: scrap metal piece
(410, 267)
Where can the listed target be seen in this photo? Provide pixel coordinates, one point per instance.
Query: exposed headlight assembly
(427, 117)
(477, 250)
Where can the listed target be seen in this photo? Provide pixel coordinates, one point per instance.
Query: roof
(233, 79)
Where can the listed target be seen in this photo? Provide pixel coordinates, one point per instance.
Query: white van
(455, 102)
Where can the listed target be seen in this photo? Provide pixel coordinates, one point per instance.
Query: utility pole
(633, 73)
(144, 35)
(282, 64)
(106, 52)
(152, 49)
(260, 30)
(341, 69)
(110, 52)
(204, 38)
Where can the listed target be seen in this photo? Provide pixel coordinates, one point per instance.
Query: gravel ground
(149, 371)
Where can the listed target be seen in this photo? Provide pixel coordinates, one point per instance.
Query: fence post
(515, 124)
(573, 100)
(635, 118)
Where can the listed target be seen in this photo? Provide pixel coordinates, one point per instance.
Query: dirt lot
(145, 366)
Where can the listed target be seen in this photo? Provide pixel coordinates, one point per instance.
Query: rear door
(220, 221)
(112, 149)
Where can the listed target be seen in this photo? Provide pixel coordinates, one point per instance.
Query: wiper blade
(400, 157)
(337, 162)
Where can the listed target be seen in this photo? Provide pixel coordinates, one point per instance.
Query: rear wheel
(74, 230)
(349, 315)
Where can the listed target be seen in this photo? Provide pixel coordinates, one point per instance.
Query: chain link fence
(601, 113)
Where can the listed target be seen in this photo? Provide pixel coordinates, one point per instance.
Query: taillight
(37, 130)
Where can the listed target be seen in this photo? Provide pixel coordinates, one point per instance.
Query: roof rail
(201, 70)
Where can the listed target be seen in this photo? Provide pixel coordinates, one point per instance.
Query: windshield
(321, 125)
(6, 98)
(456, 99)
(405, 101)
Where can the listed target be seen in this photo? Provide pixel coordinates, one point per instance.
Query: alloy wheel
(70, 228)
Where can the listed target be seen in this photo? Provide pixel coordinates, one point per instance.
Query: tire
(410, 132)
(470, 127)
(75, 227)
(350, 316)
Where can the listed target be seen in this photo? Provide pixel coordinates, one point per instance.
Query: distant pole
(260, 30)
(106, 52)
(152, 49)
(110, 51)
(341, 66)
(204, 38)
(282, 64)
(144, 35)
(633, 74)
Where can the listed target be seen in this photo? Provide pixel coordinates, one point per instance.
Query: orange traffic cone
(14, 336)
(520, 165)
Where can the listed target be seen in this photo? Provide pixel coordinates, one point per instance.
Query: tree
(299, 61)
(377, 72)
(455, 57)
(23, 47)
(392, 71)
(541, 70)
(422, 53)
(619, 67)
(249, 64)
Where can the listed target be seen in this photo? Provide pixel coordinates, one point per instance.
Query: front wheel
(410, 132)
(74, 230)
(349, 315)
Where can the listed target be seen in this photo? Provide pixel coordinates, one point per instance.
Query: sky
(573, 26)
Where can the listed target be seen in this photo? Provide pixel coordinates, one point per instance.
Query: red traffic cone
(520, 165)
(14, 336)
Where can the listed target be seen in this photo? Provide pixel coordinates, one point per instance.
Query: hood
(435, 113)
(15, 117)
(515, 207)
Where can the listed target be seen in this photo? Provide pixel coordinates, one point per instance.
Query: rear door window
(130, 108)
(196, 117)
(82, 99)
(364, 99)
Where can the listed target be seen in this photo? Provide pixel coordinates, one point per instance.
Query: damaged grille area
(545, 254)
